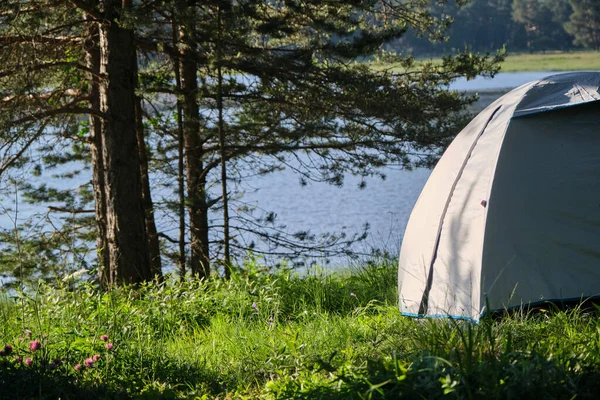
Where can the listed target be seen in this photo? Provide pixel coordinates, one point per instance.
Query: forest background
(520, 25)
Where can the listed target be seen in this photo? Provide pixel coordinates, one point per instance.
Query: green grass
(285, 336)
(552, 61)
(526, 62)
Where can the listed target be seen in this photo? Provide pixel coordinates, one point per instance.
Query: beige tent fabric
(442, 268)
(542, 238)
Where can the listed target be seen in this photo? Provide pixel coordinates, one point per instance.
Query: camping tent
(511, 213)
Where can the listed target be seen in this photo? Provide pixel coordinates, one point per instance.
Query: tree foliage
(584, 23)
(521, 25)
(259, 86)
(543, 22)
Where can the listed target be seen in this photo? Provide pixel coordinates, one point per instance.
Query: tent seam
(425, 298)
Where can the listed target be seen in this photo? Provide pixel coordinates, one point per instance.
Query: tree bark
(221, 130)
(92, 53)
(180, 153)
(153, 243)
(127, 241)
(195, 177)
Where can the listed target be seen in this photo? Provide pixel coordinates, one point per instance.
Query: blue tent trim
(440, 316)
(558, 302)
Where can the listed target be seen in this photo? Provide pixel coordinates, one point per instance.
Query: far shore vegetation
(551, 61)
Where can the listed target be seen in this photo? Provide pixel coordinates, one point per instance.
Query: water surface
(317, 207)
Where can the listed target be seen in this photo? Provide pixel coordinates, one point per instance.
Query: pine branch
(56, 40)
(43, 66)
(169, 238)
(14, 158)
(70, 210)
(87, 8)
(60, 111)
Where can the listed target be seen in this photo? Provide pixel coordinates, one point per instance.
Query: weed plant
(282, 335)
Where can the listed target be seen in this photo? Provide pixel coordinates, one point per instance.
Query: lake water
(318, 207)
(384, 204)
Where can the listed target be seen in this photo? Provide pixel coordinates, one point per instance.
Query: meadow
(281, 335)
(551, 61)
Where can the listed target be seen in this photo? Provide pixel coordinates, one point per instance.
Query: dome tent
(510, 215)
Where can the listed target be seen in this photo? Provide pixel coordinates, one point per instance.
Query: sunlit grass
(552, 61)
(284, 335)
(526, 62)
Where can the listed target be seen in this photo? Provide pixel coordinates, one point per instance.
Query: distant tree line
(521, 25)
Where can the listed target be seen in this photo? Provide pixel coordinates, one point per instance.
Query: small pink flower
(18, 359)
(271, 321)
(352, 294)
(89, 362)
(35, 345)
(29, 361)
(254, 306)
(8, 349)
(109, 346)
(104, 338)
(78, 367)
(96, 357)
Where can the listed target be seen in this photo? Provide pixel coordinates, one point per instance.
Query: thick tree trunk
(153, 243)
(128, 259)
(92, 51)
(195, 174)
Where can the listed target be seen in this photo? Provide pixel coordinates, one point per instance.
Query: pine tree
(262, 85)
(543, 21)
(49, 56)
(584, 23)
(287, 74)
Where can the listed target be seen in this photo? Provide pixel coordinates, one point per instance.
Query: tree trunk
(92, 52)
(127, 242)
(195, 177)
(153, 243)
(221, 130)
(180, 153)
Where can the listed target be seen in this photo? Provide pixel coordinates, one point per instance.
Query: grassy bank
(282, 336)
(552, 61)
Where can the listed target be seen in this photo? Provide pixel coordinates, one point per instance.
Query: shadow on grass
(29, 383)
(18, 382)
(519, 377)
